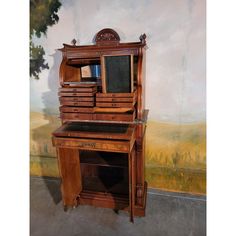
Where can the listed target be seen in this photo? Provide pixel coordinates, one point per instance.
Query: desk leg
(69, 167)
(132, 184)
(140, 164)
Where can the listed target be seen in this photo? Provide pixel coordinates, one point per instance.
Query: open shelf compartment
(105, 172)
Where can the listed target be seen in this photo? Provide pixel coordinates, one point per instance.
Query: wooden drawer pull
(92, 145)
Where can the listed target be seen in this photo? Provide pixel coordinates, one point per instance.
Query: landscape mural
(175, 82)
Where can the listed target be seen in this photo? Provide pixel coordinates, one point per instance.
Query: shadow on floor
(53, 186)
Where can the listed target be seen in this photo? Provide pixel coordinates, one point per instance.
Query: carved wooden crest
(107, 36)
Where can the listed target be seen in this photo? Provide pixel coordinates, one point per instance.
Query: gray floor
(167, 214)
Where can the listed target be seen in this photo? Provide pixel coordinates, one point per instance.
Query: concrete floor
(167, 214)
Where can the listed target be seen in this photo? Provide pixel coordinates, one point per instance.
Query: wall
(175, 83)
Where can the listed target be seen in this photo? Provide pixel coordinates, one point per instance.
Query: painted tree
(43, 13)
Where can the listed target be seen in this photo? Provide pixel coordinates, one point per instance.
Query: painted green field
(175, 154)
(42, 154)
(41, 128)
(176, 157)
(176, 146)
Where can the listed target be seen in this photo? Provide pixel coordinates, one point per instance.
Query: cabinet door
(117, 73)
(69, 166)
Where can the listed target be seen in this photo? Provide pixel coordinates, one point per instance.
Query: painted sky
(175, 63)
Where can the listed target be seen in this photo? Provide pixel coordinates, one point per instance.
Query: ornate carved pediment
(107, 36)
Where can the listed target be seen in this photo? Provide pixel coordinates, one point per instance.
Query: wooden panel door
(69, 167)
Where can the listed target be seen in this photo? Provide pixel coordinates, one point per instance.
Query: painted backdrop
(175, 83)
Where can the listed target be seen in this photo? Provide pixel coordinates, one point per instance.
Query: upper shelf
(84, 61)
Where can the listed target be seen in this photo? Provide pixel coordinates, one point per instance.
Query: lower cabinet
(102, 172)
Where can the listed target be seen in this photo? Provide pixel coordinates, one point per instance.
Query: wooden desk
(101, 143)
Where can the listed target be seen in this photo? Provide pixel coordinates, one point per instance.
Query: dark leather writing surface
(95, 127)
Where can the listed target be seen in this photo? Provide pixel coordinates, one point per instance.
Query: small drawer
(74, 94)
(78, 104)
(76, 109)
(114, 99)
(76, 116)
(116, 95)
(76, 99)
(78, 90)
(93, 144)
(128, 117)
(115, 104)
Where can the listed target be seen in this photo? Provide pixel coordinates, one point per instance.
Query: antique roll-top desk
(101, 143)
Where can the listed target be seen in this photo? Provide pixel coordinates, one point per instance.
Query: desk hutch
(101, 142)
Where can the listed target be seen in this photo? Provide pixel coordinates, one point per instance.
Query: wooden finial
(73, 42)
(143, 38)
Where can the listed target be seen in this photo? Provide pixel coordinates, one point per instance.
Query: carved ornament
(107, 36)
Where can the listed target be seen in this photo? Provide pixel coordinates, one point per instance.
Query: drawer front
(112, 104)
(76, 99)
(115, 117)
(93, 144)
(75, 104)
(63, 94)
(78, 90)
(114, 99)
(76, 116)
(77, 109)
(73, 116)
(116, 95)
